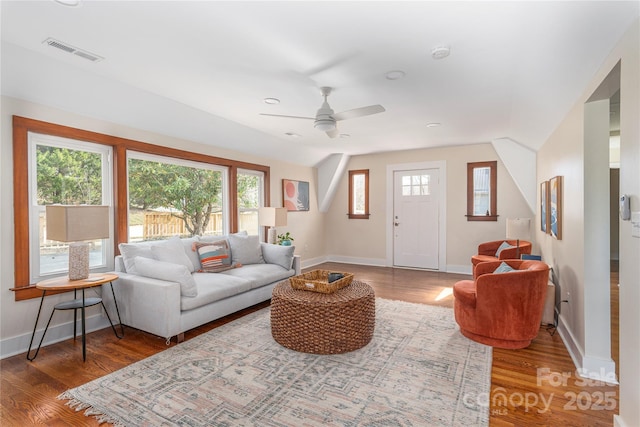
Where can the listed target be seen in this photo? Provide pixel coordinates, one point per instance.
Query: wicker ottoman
(313, 322)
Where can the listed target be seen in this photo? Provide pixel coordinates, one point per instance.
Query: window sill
(29, 292)
(353, 216)
(482, 217)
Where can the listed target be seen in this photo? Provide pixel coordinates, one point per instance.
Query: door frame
(441, 165)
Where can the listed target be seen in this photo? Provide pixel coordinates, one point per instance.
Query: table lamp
(77, 224)
(518, 228)
(272, 218)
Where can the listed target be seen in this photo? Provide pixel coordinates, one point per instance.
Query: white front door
(416, 218)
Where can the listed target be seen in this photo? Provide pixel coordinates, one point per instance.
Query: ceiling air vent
(73, 50)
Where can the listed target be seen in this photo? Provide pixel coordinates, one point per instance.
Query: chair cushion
(465, 292)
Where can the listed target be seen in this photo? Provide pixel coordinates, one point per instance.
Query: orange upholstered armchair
(502, 309)
(487, 251)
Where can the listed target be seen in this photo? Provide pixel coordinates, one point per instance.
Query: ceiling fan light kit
(325, 125)
(325, 120)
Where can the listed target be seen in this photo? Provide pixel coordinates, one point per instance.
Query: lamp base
(78, 261)
(271, 235)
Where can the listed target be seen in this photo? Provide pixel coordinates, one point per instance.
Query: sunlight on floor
(446, 292)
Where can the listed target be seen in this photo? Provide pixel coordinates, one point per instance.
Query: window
(169, 197)
(416, 185)
(250, 192)
(94, 166)
(68, 172)
(359, 194)
(482, 191)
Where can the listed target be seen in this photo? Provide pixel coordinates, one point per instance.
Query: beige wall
(16, 318)
(366, 239)
(564, 154)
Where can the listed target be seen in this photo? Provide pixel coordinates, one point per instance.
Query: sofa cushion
(504, 245)
(172, 251)
(167, 271)
(214, 257)
(276, 254)
(130, 251)
(260, 274)
(214, 287)
(245, 249)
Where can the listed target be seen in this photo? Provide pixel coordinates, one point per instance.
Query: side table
(64, 284)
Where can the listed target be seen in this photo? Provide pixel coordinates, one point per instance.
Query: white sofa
(161, 291)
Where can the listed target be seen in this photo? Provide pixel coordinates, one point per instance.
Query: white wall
(17, 318)
(564, 154)
(366, 239)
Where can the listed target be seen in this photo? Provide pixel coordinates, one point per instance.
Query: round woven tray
(320, 323)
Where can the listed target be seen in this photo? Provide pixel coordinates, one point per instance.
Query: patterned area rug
(418, 370)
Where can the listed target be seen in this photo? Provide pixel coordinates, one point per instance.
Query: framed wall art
(295, 195)
(544, 207)
(555, 207)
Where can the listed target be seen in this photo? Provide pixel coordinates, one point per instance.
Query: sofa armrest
(297, 264)
(151, 305)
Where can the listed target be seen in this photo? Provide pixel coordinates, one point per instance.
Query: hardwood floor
(538, 384)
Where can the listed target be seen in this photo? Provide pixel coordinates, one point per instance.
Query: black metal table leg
(84, 332)
(34, 330)
(115, 301)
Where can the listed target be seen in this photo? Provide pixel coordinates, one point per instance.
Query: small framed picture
(544, 207)
(295, 195)
(555, 207)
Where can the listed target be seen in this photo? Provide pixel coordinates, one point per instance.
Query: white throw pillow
(245, 249)
(172, 251)
(167, 271)
(130, 251)
(279, 255)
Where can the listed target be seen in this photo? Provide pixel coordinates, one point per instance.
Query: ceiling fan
(325, 119)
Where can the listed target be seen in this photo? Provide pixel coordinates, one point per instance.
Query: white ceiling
(200, 70)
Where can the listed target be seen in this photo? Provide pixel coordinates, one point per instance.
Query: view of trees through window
(167, 199)
(249, 200)
(66, 175)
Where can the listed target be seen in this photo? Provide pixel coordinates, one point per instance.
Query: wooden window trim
(493, 187)
(366, 214)
(22, 126)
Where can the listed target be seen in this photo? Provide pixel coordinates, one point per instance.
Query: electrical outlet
(568, 297)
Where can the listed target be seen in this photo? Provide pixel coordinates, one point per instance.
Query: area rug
(418, 370)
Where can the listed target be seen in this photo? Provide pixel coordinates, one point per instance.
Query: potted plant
(285, 239)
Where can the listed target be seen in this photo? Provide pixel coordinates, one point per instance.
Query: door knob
(396, 223)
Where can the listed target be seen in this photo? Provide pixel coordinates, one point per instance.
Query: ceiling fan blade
(333, 133)
(289, 117)
(359, 112)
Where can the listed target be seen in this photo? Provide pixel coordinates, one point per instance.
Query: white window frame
(35, 210)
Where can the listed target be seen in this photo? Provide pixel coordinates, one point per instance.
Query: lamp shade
(518, 228)
(74, 223)
(272, 217)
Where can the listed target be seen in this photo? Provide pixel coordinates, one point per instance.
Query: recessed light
(345, 135)
(395, 75)
(433, 125)
(440, 52)
(271, 101)
(292, 135)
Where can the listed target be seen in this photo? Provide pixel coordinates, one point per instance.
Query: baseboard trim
(376, 262)
(618, 421)
(460, 269)
(586, 366)
(64, 331)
